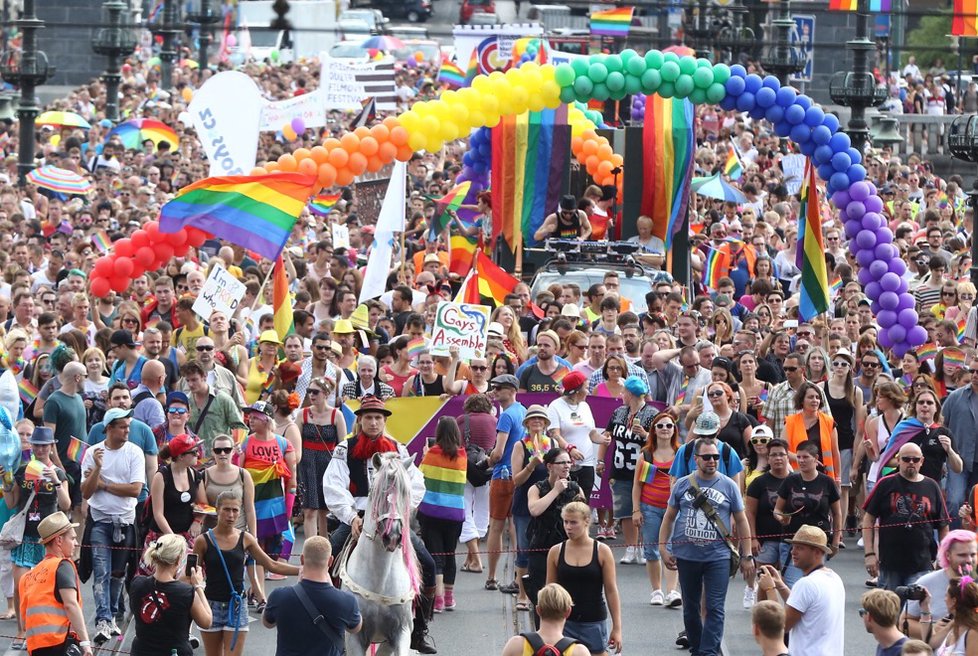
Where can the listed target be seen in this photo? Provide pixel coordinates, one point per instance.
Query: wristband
(571, 447)
(85, 643)
(868, 554)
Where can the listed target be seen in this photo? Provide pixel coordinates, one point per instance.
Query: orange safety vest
(44, 616)
(795, 433)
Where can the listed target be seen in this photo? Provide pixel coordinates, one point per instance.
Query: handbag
(317, 618)
(477, 470)
(702, 502)
(12, 534)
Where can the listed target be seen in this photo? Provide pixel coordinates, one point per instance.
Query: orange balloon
(391, 122)
(344, 177)
(387, 152)
(350, 142)
(331, 143)
(592, 162)
(576, 144)
(369, 146)
(301, 154)
(287, 162)
(338, 157)
(308, 166)
(617, 159)
(374, 163)
(588, 135)
(318, 154)
(604, 168)
(259, 170)
(362, 131)
(605, 151)
(289, 133)
(380, 132)
(271, 167)
(399, 136)
(404, 153)
(357, 164)
(590, 148)
(327, 175)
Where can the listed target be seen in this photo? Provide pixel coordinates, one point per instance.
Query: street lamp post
(698, 27)
(29, 69)
(168, 53)
(114, 41)
(783, 56)
(962, 141)
(736, 37)
(203, 14)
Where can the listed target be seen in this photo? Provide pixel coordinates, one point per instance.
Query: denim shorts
(221, 619)
(845, 456)
(771, 553)
(651, 523)
(593, 635)
(622, 493)
(522, 522)
(28, 553)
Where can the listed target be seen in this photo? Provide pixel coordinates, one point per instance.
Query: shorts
(652, 517)
(221, 620)
(622, 493)
(772, 553)
(845, 457)
(28, 554)
(522, 523)
(501, 498)
(593, 635)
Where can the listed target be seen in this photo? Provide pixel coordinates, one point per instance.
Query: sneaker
(860, 543)
(449, 600)
(674, 599)
(842, 544)
(657, 599)
(749, 597)
(873, 582)
(682, 640)
(629, 557)
(103, 632)
(439, 604)
(114, 628)
(640, 556)
(602, 534)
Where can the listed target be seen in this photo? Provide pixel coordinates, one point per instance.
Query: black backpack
(541, 648)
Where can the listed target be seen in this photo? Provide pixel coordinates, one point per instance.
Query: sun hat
(42, 435)
(343, 327)
(269, 336)
(811, 536)
(536, 412)
(53, 525)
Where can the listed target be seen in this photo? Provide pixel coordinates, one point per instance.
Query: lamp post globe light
(116, 40)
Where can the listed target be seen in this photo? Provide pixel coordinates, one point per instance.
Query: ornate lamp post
(886, 132)
(698, 26)
(115, 41)
(169, 31)
(857, 89)
(29, 69)
(203, 14)
(962, 141)
(783, 57)
(736, 37)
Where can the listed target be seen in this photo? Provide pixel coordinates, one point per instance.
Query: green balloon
(703, 78)
(687, 65)
(633, 85)
(684, 86)
(636, 66)
(580, 67)
(594, 116)
(667, 90)
(651, 79)
(627, 55)
(564, 75)
(601, 92)
(615, 81)
(597, 73)
(721, 73)
(568, 95)
(619, 94)
(670, 56)
(698, 97)
(613, 63)
(716, 92)
(583, 86)
(583, 98)
(653, 59)
(670, 71)
(704, 63)
(274, 55)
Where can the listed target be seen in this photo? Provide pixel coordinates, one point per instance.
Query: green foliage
(921, 41)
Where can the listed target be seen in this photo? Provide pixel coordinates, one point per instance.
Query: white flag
(392, 212)
(378, 267)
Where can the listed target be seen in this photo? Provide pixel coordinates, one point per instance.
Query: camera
(911, 592)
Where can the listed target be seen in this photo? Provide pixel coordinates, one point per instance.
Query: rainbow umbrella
(62, 120)
(681, 50)
(382, 42)
(189, 63)
(59, 180)
(135, 131)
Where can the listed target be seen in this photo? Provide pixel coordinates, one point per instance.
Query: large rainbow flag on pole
(530, 154)
(257, 212)
(965, 21)
(811, 251)
(281, 301)
(668, 144)
(612, 22)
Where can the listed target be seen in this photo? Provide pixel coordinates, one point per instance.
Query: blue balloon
(782, 128)
(467, 159)
(821, 134)
(794, 114)
(854, 155)
(856, 173)
(745, 102)
(765, 97)
(801, 134)
(757, 113)
(831, 121)
(738, 71)
(840, 142)
(807, 148)
(804, 101)
(841, 162)
(786, 96)
(753, 82)
(823, 153)
(735, 86)
(771, 82)
(839, 180)
(774, 113)
(480, 167)
(729, 102)
(825, 171)
(814, 116)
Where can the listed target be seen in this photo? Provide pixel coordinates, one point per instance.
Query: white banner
(309, 107)
(462, 325)
(338, 80)
(226, 113)
(794, 172)
(221, 292)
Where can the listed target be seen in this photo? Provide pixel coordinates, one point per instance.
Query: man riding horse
(346, 485)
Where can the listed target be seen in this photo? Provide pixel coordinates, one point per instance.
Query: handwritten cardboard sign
(221, 292)
(462, 325)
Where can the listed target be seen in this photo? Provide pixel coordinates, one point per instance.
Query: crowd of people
(175, 457)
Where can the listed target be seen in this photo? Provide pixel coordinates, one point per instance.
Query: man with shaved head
(910, 508)
(64, 413)
(146, 406)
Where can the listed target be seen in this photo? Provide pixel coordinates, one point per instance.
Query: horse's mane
(392, 488)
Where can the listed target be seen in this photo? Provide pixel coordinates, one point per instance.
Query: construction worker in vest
(50, 594)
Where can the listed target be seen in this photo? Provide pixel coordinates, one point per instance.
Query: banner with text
(310, 107)
(221, 292)
(460, 325)
(226, 112)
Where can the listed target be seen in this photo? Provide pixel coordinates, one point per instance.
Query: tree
(929, 41)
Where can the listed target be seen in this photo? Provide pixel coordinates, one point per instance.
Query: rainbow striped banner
(647, 472)
(76, 449)
(811, 249)
(323, 204)
(612, 22)
(668, 144)
(102, 241)
(926, 352)
(717, 266)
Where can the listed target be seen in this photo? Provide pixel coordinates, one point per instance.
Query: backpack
(541, 648)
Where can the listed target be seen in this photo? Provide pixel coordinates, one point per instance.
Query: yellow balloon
(410, 120)
(476, 118)
(530, 68)
(289, 133)
(417, 141)
(480, 83)
(492, 120)
(435, 145)
(460, 113)
(536, 102)
(489, 104)
(547, 71)
(449, 131)
(429, 125)
(187, 94)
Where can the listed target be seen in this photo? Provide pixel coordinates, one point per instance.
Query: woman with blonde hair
(817, 364)
(512, 337)
(966, 300)
(15, 343)
(721, 326)
(96, 384)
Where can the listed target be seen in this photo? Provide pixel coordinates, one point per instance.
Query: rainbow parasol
(135, 131)
(383, 43)
(59, 180)
(62, 120)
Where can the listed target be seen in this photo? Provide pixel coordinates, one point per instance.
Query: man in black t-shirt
(298, 634)
(761, 498)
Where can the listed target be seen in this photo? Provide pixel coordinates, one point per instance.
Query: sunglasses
(314, 392)
(561, 462)
(223, 450)
(177, 411)
(478, 368)
(791, 369)
(321, 347)
(715, 394)
(665, 426)
(201, 349)
(710, 456)
(871, 365)
(760, 440)
(841, 364)
(910, 459)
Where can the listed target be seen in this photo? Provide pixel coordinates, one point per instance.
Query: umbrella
(189, 63)
(682, 50)
(63, 120)
(382, 42)
(134, 131)
(715, 186)
(59, 180)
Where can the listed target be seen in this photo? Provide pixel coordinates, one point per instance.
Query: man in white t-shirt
(815, 607)
(572, 425)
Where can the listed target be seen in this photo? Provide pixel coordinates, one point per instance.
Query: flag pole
(264, 282)
(518, 238)
(403, 256)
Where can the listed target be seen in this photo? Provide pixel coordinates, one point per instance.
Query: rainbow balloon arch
(535, 87)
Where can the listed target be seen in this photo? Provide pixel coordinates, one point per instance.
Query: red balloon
(100, 287)
(181, 250)
(153, 230)
(104, 266)
(195, 237)
(140, 238)
(119, 284)
(123, 267)
(164, 252)
(124, 248)
(137, 270)
(145, 256)
(178, 238)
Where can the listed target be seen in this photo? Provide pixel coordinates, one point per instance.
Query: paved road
(484, 620)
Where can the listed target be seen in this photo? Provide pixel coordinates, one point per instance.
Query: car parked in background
(470, 10)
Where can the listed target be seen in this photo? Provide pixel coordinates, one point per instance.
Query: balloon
(878, 269)
(889, 301)
(840, 142)
(100, 287)
(118, 283)
(187, 94)
(800, 134)
(774, 114)
(841, 162)
(307, 166)
(196, 237)
(735, 86)
(721, 73)
(855, 210)
(670, 71)
(897, 333)
(289, 133)
(917, 335)
(298, 125)
(886, 318)
(884, 340)
(786, 97)
(123, 248)
(564, 75)
(177, 238)
(104, 266)
(794, 114)
(745, 102)
(685, 86)
(716, 91)
(164, 252)
(820, 134)
(145, 256)
(765, 97)
(287, 162)
(597, 72)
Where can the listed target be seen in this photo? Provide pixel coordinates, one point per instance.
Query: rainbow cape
(612, 22)
(269, 497)
(444, 482)
(256, 212)
(902, 433)
(322, 204)
(811, 250)
(667, 145)
(76, 449)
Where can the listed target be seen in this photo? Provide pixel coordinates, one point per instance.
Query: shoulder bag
(12, 534)
(477, 471)
(702, 502)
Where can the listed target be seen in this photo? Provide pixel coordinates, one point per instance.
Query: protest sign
(338, 80)
(309, 107)
(221, 292)
(794, 172)
(462, 325)
(341, 236)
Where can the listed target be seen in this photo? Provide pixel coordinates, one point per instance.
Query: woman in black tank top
(586, 569)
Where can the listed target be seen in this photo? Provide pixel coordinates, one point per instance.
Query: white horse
(384, 581)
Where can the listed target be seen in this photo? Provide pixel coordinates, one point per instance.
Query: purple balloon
(860, 190)
(852, 228)
(878, 269)
(864, 277)
(884, 251)
(889, 300)
(885, 236)
(886, 318)
(900, 350)
(873, 290)
(907, 302)
(904, 287)
(897, 333)
(298, 125)
(865, 257)
(877, 220)
(866, 239)
(890, 282)
(884, 339)
(869, 221)
(840, 198)
(917, 335)
(873, 204)
(875, 308)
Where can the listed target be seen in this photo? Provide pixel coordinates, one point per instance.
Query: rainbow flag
(76, 449)
(416, 347)
(444, 482)
(451, 75)
(879, 6)
(717, 266)
(732, 167)
(961, 323)
(494, 282)
(902, 433)
(647, 472)
(843, 5)
(323, 204)
(282, 301)
(27, 391)
(530, 154)
(461, 254)
(34, 471)
(269, 497)
(239, 434)
(926, 352)
(257, 212)
(612, 22)
(965, 20)
(835, 286)
(450, 202)
(474, 68)
(814, 278)
(668, 144)
(953, 357)
(101, 241)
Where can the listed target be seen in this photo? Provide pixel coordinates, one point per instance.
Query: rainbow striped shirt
(444, 481)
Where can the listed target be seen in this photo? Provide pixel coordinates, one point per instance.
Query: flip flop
(471, 570)
(8, 616)
(492, 584)
(523, 605)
